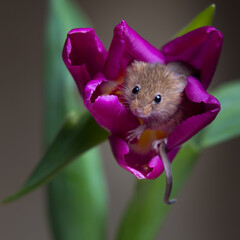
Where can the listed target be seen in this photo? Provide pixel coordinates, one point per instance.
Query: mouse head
(153, 90)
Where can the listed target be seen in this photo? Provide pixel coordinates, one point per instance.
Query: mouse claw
(135, 133)
(156, 144)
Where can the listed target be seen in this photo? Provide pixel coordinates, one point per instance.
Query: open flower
(99, 75)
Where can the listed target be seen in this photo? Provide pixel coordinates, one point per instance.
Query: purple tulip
(99, 76)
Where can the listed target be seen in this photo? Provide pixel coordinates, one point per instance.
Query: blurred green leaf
(77, 195)
(146, 210)
(76, 137)
(227, 124)
(78, 212)
(204, 18)
(60, 93)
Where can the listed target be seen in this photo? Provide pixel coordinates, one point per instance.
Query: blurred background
(208, 206)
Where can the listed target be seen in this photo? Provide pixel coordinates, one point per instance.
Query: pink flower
(99, 75)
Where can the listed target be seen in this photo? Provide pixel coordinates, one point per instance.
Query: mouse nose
(142, 112)
(139, 110)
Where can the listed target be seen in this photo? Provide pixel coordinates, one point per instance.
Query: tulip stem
(168, 173)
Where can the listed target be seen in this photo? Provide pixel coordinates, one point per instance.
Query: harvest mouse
(154, 93)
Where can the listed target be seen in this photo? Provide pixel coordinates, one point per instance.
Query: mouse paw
(136, 133)
(156, 144)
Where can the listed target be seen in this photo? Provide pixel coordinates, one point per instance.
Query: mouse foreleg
(136, 133)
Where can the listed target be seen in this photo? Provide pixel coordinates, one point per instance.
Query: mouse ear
(182, 82)
(137, 65)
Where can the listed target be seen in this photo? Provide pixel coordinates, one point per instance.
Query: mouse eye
(135, 90)
(157, 98)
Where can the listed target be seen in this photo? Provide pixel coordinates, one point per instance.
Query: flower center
(144, 144)
(110, 87)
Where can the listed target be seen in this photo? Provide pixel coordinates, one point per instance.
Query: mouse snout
(140, 111)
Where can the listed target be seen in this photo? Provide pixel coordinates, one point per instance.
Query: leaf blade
(73, 206)
(139, 222)
(68, 145)
(147, 211)
(227, 124)
(204, 18)
(70, 213)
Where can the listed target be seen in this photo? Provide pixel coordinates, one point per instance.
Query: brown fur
(153, 79)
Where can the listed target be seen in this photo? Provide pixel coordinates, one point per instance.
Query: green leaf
(204, 18)
(147, 211)
(60, 93)
(227, 124)
(73, 205)
(76, 137)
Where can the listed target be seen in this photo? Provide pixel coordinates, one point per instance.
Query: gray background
(208, 207)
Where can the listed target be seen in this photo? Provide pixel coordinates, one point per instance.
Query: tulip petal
(107, 110)
(208, 109)
(127, 46)
(157, 165)
(84, 55)
(120, 148)
(99, 76)
(199, 48)
(147, 166)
